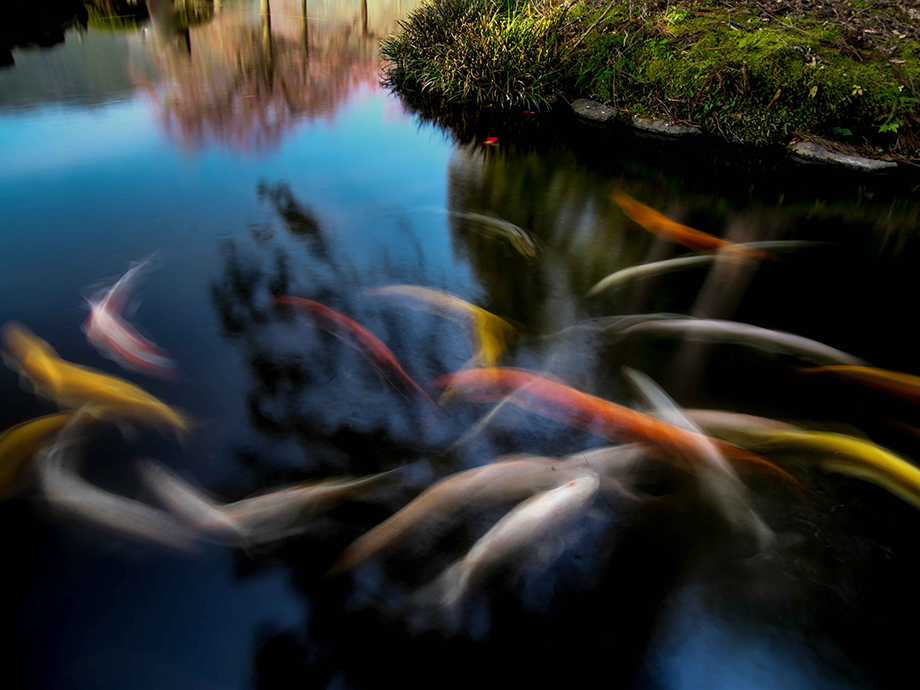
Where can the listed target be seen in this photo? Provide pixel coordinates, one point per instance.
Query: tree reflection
(307, 383)
(245, 82)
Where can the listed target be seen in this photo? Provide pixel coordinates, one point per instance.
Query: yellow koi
(72, 385)
(858, 458)
(491, 333)
(19, 443)
(847, 455)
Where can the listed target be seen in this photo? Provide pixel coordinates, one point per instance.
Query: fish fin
(126, 429)
(440, 603)
(546, 553)
(615, 487)
(483, 422)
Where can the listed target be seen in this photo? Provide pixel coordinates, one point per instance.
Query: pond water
(251, 151)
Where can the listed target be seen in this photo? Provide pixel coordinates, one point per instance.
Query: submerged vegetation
(753, 72)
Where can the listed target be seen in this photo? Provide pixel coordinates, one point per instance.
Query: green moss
(747, 80)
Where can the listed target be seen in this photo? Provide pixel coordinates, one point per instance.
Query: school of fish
(543, 500)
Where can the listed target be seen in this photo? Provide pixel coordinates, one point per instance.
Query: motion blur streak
(718, 481)
(716, 330)
(658, 223)
(107, 330)
(519, 238)
(72, 385)
(380, 354)
(597, 415)
(624, 276)
(258, 519)
(525, 528)
(19, 444)
(515, 478)
(743, 429)
(838, 452)
(67, 491)
(490, 333)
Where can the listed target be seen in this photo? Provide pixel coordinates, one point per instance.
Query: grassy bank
(753, 71)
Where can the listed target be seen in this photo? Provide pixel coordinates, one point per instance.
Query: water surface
(252, 149)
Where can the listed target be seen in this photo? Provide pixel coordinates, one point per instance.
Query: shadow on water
(654, 593)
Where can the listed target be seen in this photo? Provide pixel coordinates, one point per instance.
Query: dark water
(259, 156)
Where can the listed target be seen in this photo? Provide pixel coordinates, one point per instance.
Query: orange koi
(660, 224)
(568, 405)
(363, 338)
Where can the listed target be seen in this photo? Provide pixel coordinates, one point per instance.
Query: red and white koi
(109, 332)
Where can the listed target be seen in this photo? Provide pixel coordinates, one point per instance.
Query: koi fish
(69, 492)
(108, 331)
(527, 527)
(742, 333)
(509, 480)
(658, 223)
(72, 385)
(563, 403)
(484, 421)
(737, 427)
(258, 519)
(367, 341)
(718, 481)
(860, 459)
(899, 384)
(841, 453)
(624, 276)
(19, 444)
(491, 333)
(519, 238)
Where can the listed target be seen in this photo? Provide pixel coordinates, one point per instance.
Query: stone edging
(808, 150)
(815, 152)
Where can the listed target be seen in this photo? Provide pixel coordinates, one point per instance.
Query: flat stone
(593, 110)
(662, 127)
(813, 151)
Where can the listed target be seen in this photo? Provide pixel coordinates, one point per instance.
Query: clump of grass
(507, 53)
(752, 76)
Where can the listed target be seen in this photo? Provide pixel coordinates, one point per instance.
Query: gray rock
(593, 110)
(813, 151)
(662, 127)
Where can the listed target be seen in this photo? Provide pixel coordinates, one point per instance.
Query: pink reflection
(249, 76)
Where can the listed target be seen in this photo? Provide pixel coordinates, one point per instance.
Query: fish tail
(737, 454)
(350, 557)
(441, 601)
(186, 502)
